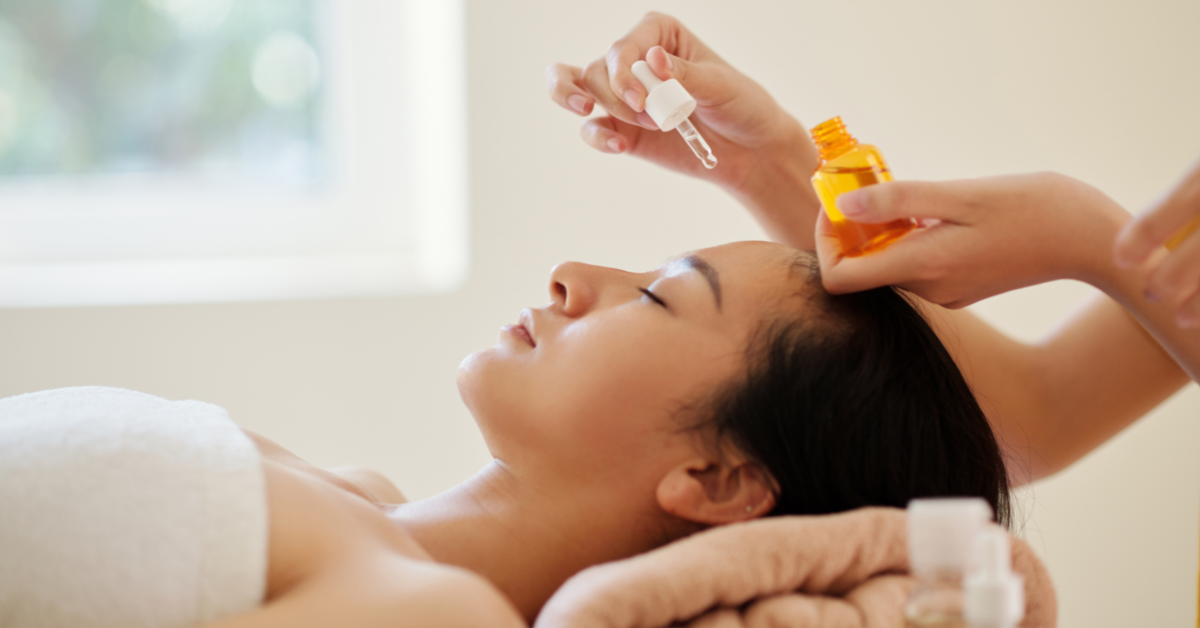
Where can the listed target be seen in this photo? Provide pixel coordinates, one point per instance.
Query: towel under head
(119, 508)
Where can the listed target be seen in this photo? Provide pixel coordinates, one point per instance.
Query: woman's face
(587, 388)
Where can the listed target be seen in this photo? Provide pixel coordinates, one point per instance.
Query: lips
(524, 328)
(521, 333)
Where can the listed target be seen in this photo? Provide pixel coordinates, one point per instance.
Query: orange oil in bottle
(848, 165)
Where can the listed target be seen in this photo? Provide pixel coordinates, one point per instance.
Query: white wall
(1108, 91)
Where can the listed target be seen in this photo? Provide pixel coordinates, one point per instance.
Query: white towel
(119, 508)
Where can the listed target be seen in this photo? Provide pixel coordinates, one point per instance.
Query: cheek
(600, 400)
(617, 395)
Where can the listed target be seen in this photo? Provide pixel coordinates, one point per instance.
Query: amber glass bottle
(847, 165)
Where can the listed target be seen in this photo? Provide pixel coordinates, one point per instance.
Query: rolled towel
(848, 570)
(119, 508)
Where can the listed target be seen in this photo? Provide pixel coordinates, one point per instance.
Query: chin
(497, 396)
(470, 372)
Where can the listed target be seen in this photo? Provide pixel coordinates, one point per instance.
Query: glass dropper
(696, 142)
(669, 105)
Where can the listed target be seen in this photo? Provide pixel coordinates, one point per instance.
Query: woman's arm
(1053, 401)
(386, 592)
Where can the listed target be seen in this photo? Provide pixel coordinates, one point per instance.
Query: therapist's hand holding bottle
(996, 234)
(765, 155)
(982, 237)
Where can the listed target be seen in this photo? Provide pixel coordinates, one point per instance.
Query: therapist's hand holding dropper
(766, 157)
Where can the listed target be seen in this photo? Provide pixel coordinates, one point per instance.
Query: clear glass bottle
(848, 165)
(942, 537)
(994, 595)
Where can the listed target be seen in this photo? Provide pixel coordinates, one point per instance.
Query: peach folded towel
(848, 570)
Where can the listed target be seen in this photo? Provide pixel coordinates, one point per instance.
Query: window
(211, 150)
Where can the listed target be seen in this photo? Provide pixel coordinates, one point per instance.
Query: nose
(575, 287)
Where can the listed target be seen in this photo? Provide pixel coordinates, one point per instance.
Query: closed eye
(653, 297)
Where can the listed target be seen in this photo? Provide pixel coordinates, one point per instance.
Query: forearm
(1053, 401)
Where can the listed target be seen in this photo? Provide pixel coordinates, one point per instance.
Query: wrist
(777, 189)
(788, 161)
(1081, 229)
(1095, 264)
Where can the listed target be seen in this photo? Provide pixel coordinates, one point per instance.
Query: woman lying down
(635, 409)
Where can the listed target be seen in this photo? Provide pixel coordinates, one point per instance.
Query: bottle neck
(832, 140)
(941, 577)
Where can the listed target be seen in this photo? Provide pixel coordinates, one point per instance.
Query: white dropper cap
(667, 102)
(943, 533)
(995, 596)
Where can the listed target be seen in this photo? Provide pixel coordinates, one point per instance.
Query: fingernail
(851, 203)
(645, 120)
(614, 144)
(578, 103)
(633, 99)
(670, 62)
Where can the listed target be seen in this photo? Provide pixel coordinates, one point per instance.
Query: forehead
(757, 277)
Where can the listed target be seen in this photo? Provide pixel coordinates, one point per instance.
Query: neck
(526, 541)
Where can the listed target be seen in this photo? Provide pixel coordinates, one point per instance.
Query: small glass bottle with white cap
(669, 105)
(995, 596)
(943, 536)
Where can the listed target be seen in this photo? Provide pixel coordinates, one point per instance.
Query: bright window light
(173, 151)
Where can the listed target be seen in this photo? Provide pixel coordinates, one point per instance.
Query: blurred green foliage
(178, 86)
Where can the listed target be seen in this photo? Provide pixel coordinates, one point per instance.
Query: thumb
(704, 81)
(897, 263)
(894, 200)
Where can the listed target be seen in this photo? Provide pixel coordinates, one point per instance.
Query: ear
(715, 493)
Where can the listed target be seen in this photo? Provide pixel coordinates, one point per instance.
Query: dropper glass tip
(696, 142)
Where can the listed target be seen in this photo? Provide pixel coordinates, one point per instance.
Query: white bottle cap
(995, 596)
(943, 533)
(668, 103)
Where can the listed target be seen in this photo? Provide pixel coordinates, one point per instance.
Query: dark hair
(858, 404)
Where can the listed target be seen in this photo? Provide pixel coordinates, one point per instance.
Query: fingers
(1177, 280)
(841, 275)
(609, 135)
(562, 81)
(708, 83)
(1149, 231)
(1189, 313)
(653, 30)
(620, 58)
(949, 201)
(1154, 228)
(596, 82)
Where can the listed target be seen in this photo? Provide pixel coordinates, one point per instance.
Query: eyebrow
(704, 268)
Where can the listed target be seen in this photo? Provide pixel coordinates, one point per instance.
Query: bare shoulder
(372, 482)
(366, 483)
(386, 592)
